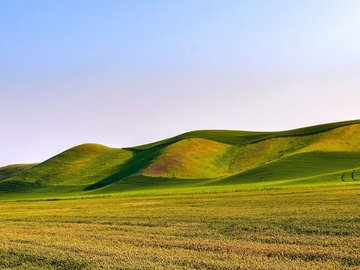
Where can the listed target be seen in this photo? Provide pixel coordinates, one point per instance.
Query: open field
(200, 200)
(303, 228)
(179, 135)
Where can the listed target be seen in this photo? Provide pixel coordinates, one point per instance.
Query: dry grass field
(303, 228)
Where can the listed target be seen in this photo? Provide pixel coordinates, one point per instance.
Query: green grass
(11, 170)
(245, 137)
(193, 161)
(299, 166)
(201, 200)
(84, 164)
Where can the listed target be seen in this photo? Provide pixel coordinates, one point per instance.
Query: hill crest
(207, 157)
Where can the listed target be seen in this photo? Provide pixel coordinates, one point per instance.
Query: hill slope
(196, 159)
(8, 171)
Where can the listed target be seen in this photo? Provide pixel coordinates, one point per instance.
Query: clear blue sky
(124, 73)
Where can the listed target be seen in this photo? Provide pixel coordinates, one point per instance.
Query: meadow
(200, 200)
(285, 228)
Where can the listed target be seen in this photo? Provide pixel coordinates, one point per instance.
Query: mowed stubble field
(302, 228)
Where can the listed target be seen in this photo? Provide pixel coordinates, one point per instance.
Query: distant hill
(8, 171)
(322, 154)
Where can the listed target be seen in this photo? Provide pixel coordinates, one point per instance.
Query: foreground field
(302, 228)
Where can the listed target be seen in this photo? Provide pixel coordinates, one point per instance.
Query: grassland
(303, 228)
(198, 159)
(200, 200)
(11, 170)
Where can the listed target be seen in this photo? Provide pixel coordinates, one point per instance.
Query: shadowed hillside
(319, 154)
(8, 171)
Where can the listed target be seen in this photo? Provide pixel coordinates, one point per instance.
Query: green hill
(193, 161)
(8, 171)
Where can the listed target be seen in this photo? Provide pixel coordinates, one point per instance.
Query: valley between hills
(210, 199)
(196, 161)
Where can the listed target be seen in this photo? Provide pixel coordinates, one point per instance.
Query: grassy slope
(78, 166)
(244, 220)
(202, 159)
(237, 151)
(298, 166)
(190, 158)
(245, 137)
(11, 170)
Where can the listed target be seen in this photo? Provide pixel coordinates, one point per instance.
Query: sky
(125, 73)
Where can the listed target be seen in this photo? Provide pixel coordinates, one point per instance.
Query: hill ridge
(205, 158)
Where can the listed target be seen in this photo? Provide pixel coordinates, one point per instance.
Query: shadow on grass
(19, 186)
(140, 159)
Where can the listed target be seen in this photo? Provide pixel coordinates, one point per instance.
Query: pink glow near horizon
(127, 74)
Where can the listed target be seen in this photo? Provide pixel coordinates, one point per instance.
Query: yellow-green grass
(190, 158)
(236, 137)
(8, 171)
(201, 200)
(196, 160)
(342, 139)
(303, 228)
(299, 166)
(83, 164)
